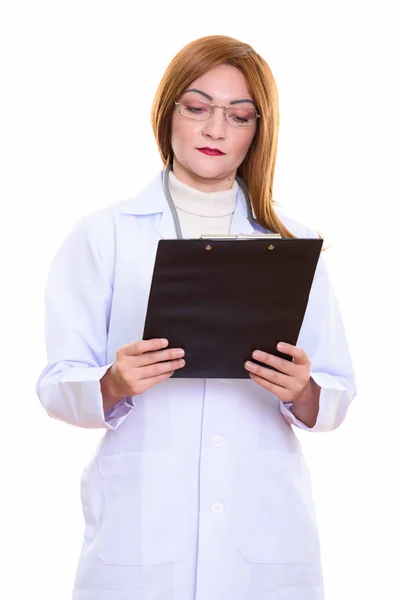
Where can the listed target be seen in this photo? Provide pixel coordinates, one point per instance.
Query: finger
(136, 348)
(148, 383)
(281, 364)
(270, 375)
(149, 358)
(144, 384)
(299, 355)
(159, 368)
(283, 394)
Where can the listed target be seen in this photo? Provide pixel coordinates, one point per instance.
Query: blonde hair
(257, 169)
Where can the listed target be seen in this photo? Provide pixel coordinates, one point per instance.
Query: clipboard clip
(240, 236)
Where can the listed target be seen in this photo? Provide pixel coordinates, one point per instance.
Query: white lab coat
(198, 490)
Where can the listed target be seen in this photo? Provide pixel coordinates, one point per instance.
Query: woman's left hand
(290, 379)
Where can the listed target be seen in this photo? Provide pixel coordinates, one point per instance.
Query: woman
(199, 489)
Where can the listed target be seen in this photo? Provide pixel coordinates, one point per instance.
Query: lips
(211, 151)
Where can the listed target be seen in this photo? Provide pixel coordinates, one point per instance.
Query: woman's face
(195, 144)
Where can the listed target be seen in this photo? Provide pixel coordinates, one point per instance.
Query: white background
(77, 83)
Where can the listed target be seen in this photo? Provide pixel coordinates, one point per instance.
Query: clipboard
(222, 298)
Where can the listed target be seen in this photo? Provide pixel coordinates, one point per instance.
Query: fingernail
(180, 353)
(257, 354)
(281, 346)
(164, 342)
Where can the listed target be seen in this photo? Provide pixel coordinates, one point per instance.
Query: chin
(209, 171)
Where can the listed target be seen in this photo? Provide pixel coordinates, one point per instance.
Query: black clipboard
(221, 299)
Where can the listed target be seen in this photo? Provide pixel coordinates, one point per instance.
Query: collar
(151, 201)
(203, 204)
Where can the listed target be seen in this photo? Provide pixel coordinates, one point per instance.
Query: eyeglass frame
(178, 104)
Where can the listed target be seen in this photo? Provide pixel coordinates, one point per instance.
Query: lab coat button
(217, 508)
(218, 441)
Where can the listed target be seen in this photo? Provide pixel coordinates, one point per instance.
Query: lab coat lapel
(240, 222)
(152, 202)
(166, 226)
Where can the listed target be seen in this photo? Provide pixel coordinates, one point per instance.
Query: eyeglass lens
(239, 115)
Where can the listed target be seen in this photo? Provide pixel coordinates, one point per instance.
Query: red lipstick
(211, 151)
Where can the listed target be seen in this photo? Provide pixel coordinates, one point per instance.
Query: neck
(203, 184)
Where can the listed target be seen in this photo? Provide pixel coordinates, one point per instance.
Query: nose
(215, 126)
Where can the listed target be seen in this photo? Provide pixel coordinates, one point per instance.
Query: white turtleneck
(202, 212)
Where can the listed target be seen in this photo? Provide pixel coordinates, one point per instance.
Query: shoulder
(102, 223)
(96, 225)
(299, 229)
(148, 200)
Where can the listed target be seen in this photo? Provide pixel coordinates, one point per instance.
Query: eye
(238, 119)
(241, 115)
(193, 109)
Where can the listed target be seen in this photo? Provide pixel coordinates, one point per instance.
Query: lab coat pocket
(144, 520)
(277, 520)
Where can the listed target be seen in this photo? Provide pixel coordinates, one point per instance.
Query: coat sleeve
(322, 336)
(77, 310)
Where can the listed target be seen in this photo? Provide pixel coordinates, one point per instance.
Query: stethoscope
(174, 212)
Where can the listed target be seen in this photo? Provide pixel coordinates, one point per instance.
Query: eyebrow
(210, 98)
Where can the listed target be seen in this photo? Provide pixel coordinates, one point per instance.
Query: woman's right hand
(137, 367)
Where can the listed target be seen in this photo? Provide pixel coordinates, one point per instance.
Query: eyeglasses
(237, 115)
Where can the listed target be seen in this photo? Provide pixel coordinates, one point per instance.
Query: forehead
(223, 83)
